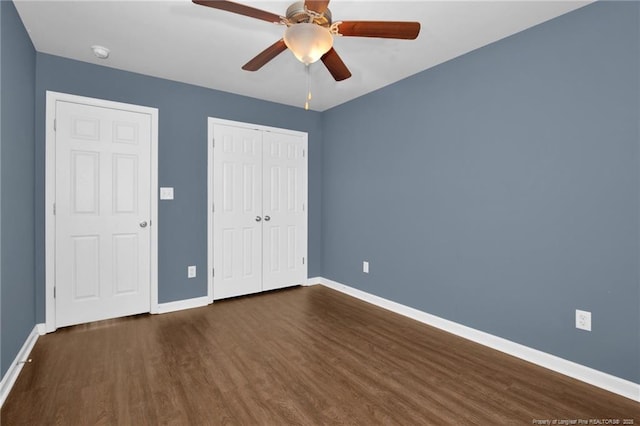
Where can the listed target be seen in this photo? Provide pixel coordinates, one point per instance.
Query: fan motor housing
(296, 13)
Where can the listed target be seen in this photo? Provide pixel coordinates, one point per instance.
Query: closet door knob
(143, 224)
(258, 218)
(267, 218)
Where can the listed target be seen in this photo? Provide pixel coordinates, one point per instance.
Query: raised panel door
(237, 220)
(103, 180)
(284, 228)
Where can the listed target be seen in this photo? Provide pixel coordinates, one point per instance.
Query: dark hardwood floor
(309, 356)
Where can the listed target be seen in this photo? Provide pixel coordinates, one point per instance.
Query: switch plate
(583, 320)
(365, 267)
(166, 193)
(191, 271)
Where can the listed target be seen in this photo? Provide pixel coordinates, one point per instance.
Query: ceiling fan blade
(317, 5)
(265, 56)
(240, 9)
(334, 64)
(380, 29)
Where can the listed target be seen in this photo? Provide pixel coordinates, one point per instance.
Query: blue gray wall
(17, 281)
(182, 157)
(2, 368)
(500, 190)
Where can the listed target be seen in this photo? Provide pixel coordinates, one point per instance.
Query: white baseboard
(12, 373)
(180, 305)
(312, 281)
(42, 329)
(580, 372)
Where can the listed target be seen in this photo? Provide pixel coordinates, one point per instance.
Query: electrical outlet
(191, 271)
(583, 320)
(365, 267)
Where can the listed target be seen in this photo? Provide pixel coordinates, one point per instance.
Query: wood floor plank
(308, 356)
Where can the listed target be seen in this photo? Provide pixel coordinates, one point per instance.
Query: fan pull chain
(306, 103)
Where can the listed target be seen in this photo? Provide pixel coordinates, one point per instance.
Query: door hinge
(213, 208)
(54, 292)
(303, 260)
(55, 125)
(54, 209)
(213, 142)
(213, 272)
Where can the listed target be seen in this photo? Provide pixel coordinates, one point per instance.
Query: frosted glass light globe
(308, 42)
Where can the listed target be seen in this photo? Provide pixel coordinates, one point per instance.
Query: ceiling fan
(310, 31)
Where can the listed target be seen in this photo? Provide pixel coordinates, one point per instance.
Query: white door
(259, 222)
(284, 229)
(102, 213)
(237, 224)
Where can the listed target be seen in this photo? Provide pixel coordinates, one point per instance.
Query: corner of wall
(1, 66)
(17, 149)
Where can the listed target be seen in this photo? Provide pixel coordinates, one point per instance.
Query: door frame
(50, 190)
(211, 122)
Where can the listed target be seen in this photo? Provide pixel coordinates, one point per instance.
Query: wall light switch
(191, 271)
(166, 193)
(365, 267)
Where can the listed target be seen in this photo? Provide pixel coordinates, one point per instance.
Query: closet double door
(259, 210)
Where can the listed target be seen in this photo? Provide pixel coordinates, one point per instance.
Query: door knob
(267, 218)
(143, 224)
(258, 218)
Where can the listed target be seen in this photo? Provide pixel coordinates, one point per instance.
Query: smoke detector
(101, 52)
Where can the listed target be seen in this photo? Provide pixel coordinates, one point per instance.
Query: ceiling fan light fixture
(308, 41)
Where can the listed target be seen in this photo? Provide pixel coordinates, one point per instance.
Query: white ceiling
(181, 41)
